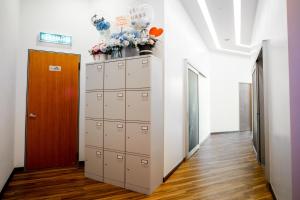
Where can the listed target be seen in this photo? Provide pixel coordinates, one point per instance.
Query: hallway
(223, 169)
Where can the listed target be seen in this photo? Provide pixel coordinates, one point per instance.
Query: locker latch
(120, 126)
(99, 67)
(144, 128)
(98, 153)
(119, 157)
(99, 96)
(144, 61)
(99, 124)
(144, 162)
(120, 94)
(145, 94)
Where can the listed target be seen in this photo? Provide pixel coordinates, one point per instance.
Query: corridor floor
(223, 169)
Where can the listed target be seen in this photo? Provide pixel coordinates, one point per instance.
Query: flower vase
(116, 52)
(145, 49)
(100, 57)
(129, 52)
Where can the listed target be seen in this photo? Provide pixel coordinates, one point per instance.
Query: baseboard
(226, 132)
(81, 164)
(7, 183)
(172, 171)
(272, 191)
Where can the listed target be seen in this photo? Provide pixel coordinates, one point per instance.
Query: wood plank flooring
(223, 169)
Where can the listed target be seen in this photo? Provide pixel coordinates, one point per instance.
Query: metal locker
(94, 163)
(114, 105)
(138, 171)
(138, 138)
(94, 105)
(138, 73)
(94, 133)
(114, 168)
(138, 105)
(114, 75)
(114, 135)
(94, 76)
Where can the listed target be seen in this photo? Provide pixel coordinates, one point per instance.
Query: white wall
(9, 12)
(70, 17)
(271, 25)
(183, 41)
(227, 71)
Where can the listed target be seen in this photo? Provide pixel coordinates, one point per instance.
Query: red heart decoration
(156, 31)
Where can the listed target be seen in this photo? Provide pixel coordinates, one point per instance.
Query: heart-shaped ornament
(156, 31)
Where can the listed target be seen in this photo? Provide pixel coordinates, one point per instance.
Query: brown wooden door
(52, 110)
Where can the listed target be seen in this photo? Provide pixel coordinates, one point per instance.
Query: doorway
(52, 110)
(245, 104)
(258, 110)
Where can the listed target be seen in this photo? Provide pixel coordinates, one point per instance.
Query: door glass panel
(193, 110)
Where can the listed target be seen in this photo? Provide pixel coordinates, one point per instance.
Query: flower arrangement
(100, 48)
(100, 23)
(139, 36)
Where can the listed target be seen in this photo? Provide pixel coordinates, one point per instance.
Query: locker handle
(119, 157)
(120, 95)
(99, 95)
(120, 125)
(99, 124)
(99, 67)
(120, 63)
(144, 162)
(145, 94)
(144, 61)
(144, 128)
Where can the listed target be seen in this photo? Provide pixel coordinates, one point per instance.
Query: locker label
(120, 157)
(99, 67)
(144, 128)
(120, 126)
(145, 94)
(120, 94)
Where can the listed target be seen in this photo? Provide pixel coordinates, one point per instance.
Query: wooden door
(245, 107)
(52, 110)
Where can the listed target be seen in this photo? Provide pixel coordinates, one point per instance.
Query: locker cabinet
(94, 105)
(138, 73)
(94, 74)
(94, 163)
(138, 138)
(137, 172)
(94, 133)
(114, 105)
(114, 167)
(138, 105)
(114, 77)
(125, 123)
(114, 136)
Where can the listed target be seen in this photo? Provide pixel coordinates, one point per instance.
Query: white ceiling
(222, 17)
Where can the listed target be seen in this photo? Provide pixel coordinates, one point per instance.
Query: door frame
(188, 66)
(27, 97)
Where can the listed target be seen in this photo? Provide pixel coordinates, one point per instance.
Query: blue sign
(55, 38)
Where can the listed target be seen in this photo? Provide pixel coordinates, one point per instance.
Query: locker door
(114, 136)
(138, 138)
(138, 105)
(94, 76)
(114, 105)
(114, 77)
(93, 162)
(114, 168)
(94, 105)
(94, 133)
(137, 171)
(138, 73)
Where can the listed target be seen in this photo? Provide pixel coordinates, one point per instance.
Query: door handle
(32, 115)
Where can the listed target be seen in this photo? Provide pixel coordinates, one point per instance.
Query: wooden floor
(223, 169)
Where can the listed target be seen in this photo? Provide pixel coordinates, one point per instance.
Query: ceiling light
(237, 20)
